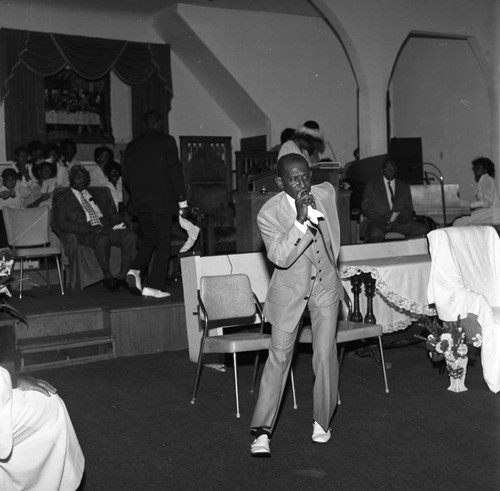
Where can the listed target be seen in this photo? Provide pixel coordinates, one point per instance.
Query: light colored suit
(304, 276)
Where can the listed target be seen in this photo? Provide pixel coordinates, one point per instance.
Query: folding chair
(229, 301)
(28, 233)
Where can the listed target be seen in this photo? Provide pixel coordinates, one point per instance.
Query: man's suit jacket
(289, 249)
(70, 217)
(153, 175)
(375, 204)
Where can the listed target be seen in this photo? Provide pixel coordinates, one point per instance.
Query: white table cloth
(401, 288)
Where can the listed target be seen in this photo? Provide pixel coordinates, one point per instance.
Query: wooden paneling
(138, 331)
(149, 330)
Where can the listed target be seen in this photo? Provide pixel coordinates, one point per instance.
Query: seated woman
(486, 208)
(102, 156)
(38, 445)
(113, 172)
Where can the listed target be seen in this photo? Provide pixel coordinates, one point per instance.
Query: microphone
(441, 178)
(441, 183)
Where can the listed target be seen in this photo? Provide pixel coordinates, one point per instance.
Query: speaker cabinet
(407, 152)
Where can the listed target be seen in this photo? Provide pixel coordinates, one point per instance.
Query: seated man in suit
(96, 224)
(387, 207)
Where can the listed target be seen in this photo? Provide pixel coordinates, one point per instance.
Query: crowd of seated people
(38, 170)
(50, 175)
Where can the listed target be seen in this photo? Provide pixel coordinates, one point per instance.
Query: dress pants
(126, 240)
(323, 306)
(157, 235)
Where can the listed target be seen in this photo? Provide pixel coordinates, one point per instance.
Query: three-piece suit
(305, 275)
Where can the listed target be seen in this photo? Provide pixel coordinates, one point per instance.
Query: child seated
(52, 154)
(13, 192)
(22, 167)
(43, 190)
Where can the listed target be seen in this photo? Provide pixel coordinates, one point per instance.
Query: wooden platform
(90, 325)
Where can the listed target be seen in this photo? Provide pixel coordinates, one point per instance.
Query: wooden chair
(28, 233)
(229, 301)
(251, 164)
(207, 165)
(347, 331)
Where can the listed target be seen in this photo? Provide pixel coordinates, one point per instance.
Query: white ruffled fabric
(412, 309)
(465, 278)
(39, 449)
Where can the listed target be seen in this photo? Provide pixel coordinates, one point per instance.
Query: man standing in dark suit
(300, 229)
(96, 224)
(153, 176)
(387, 207)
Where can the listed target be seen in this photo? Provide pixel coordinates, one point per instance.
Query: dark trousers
(157, 235)
(126, 240)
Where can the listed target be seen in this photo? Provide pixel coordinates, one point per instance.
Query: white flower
(446, 336)
(477, 340)
(462, 349)
(439, 348)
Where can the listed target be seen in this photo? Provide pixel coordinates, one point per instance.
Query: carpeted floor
(139, 431)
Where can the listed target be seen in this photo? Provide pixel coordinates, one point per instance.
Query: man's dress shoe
(319, 434)
(133, 281)
(153, 292)
(260, 447)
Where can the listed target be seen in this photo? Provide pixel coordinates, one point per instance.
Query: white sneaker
(153, 292)
(260, 447)
(134, 281)
(319, 434)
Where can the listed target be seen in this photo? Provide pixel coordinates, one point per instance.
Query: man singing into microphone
(300, 229)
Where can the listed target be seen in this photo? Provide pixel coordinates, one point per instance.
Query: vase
(457, 381)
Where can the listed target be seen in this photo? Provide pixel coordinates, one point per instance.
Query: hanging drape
(144, 66)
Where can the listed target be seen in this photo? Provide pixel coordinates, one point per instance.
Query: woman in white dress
(486, 208)
(39, 449)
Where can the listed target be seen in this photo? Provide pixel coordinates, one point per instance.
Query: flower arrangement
(6, 279)
(452, 341)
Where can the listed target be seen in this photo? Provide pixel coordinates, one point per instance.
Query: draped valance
(46, 54)
(26, 58)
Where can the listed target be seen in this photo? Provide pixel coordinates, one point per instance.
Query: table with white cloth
(395, 289)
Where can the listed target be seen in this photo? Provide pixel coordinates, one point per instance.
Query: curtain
(144, 66)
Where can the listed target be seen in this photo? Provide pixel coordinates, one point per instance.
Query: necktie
(391, 192)
(95, 221)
